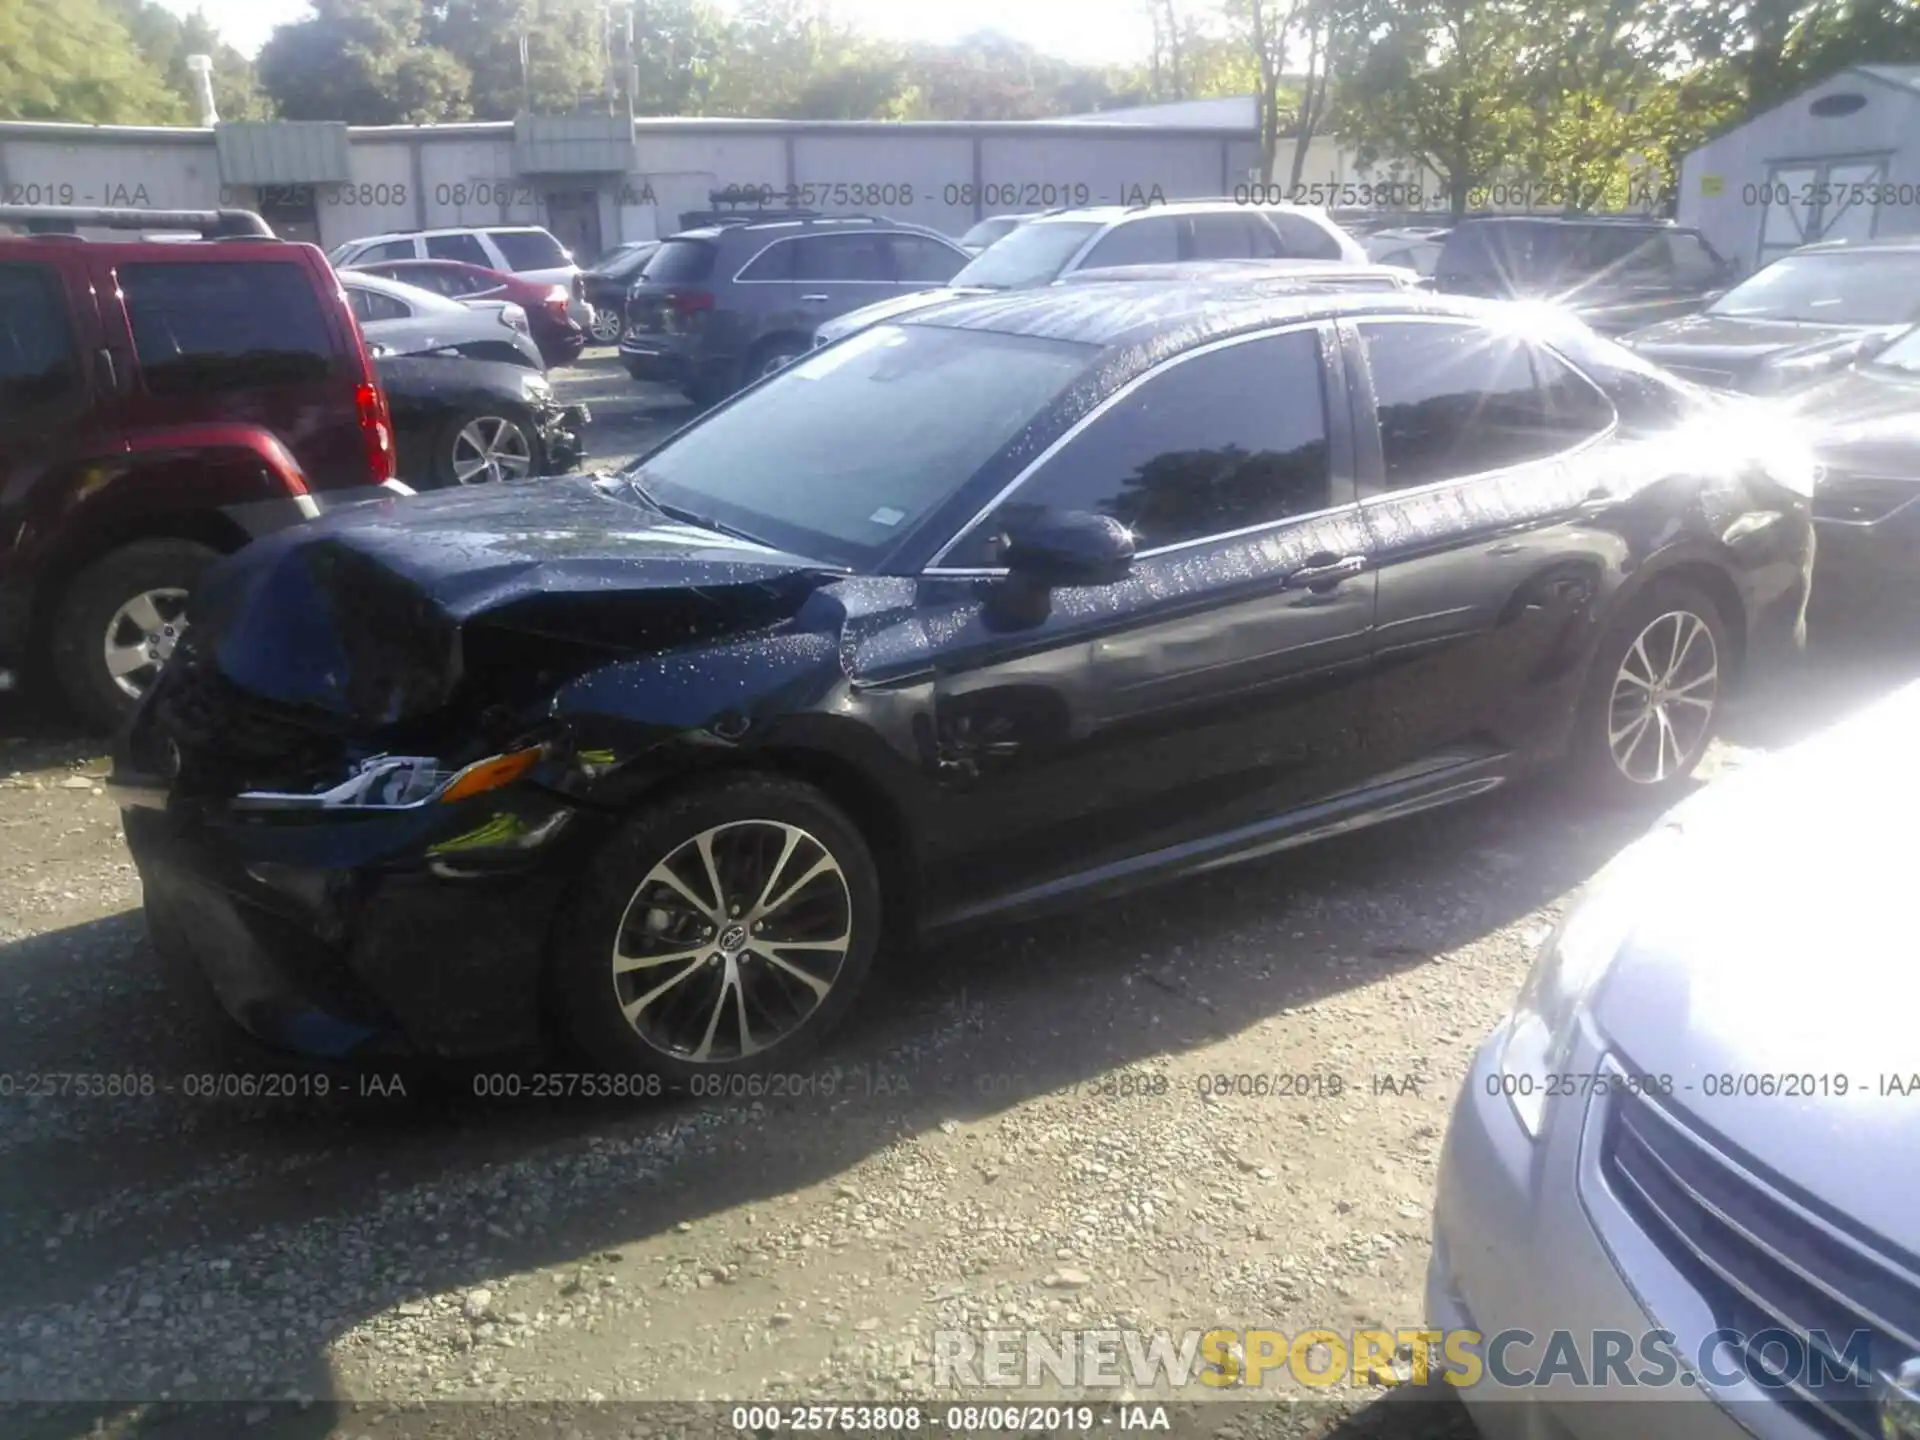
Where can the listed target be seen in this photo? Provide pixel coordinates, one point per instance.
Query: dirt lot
(1020, 1134)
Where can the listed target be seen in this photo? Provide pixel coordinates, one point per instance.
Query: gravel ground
(1019, 1134)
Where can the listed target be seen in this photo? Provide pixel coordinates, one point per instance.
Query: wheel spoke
(1692, 628)
(123, 660)
(705, 846)
(143, 613)
(1709, 678)
(665, 874)
(727, 982)
(1631, 728)
(838, 946)
(824, 865)
(812, 982)
(787, 846)
(1639, 652)
(1660, 750)
(624, 964)
(633, 1008)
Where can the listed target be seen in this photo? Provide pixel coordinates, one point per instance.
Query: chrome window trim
(934, 568)
(755, 258)
(1435, 486)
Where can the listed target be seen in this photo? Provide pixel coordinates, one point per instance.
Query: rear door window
(841, 257)
(225, 325)
(39, 361)
(1154, 240)
(387, 250)
(529, 249)
(459, 247)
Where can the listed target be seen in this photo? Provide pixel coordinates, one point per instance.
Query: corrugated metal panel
(282, 152)
(572, 145)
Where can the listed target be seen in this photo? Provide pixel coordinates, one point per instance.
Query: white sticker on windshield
(888, 516)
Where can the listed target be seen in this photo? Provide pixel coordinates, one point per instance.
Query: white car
(1044, 249)
(1415, 248)
(406, 320)
(524, 250)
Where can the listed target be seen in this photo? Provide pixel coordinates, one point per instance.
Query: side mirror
(1070, 547)
(375, 349)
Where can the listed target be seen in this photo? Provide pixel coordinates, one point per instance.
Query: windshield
(1864, 288)
(844, 452)
(627, 262)
(988, 231)
(1903, 354)
(530, 249)
(1030, 255)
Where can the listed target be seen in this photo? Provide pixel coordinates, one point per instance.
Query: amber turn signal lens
(485, 775)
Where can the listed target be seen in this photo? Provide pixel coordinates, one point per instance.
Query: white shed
(1840, 161)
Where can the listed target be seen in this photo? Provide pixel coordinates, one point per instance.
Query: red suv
(160, 405)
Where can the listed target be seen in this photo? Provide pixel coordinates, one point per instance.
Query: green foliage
(77, 60)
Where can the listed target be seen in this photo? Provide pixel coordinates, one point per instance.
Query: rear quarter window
(38, 360)
(529, 249)
(680, 262)
(236, 325)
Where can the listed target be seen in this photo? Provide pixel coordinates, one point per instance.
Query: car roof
(1611, 222)
(1878, 242)
(1231, 271)
(1127, 313)
(801, 227)
(380, 284)
(446, 230)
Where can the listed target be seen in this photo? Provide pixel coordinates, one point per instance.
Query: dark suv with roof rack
(719, 306)
(1616, 273)
(160, 405)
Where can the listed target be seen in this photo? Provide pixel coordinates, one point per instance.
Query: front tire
(1655, 694)
(118, 624)
(727, 931)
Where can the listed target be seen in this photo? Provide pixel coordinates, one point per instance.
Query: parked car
(1023, 603)
(1804, 316)
(1865, 427)
(994, 227)
(1616, 274)
(524, 250)
(548, 308)
(160, 404)
(607, 284)
(1415, 248)
(1052, 246)
(1679, 1135)
(402, 319)
(466, 422)
(717, 308)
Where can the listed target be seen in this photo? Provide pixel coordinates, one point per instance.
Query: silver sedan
(1686, 1167)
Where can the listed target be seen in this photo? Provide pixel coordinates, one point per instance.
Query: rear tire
(107, 645)
(1654, 696)
(770, 359)
(737, 983)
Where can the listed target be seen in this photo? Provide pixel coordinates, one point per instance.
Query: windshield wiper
(684, 515)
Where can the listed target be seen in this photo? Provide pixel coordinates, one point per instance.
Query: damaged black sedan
(1017, 603)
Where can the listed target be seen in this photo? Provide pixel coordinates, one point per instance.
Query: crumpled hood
(889, 309)
(363, 614)
(1748, 347)
(1785, 948)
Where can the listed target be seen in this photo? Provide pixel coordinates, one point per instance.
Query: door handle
(1598, 498)
(813, 299)
(1325, 576)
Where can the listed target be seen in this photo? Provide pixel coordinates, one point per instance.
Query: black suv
(720, 306)
(1615, 274)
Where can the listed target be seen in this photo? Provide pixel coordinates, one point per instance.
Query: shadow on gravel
(437, 1191)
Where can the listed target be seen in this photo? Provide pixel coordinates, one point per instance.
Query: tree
(364, 61)
(1445, 86)
(1265, 30)
(77, 61)
(566, 53)
(167, 39)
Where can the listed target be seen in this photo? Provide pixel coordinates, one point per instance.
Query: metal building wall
(1722, 183)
